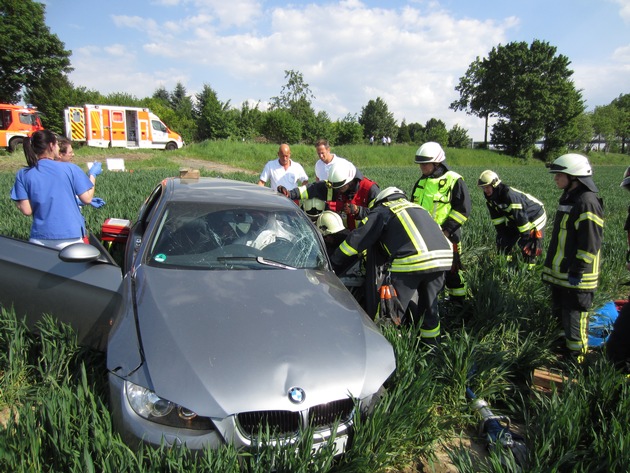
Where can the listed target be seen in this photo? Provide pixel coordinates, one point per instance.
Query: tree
(403, 133)
(162, 94)
(249, 122)
(476, 97)
(122, 99)
(320, 127)
(377, 120)
(181, 117)
(293, 91)
(213, 118)
(280, 126)
(435, 130)
(416, 133)
(52, 105)
(583, 133)
(31, 54)
(458, 137)
(347, 131)
(604, 119)
(622, 103)
(295, 97)
(529, 89)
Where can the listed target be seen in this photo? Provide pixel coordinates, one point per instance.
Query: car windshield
(215, 236)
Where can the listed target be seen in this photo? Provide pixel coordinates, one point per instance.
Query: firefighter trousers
(418, 294)
(571, 308)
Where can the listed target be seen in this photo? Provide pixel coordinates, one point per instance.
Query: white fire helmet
(430, 152)
(313, 207)
(385, 194)
(572, 164)
(577, 166)
(341, 173)
(488, 178)
(329, 222)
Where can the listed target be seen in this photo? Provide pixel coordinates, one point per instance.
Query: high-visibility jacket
(360, 193)
(511, 208)
(576, 240)
(445, 196)
(407, 234)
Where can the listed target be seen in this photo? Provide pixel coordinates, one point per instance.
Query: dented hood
(223, 342)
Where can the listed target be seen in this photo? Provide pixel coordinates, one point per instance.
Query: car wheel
(170, 146)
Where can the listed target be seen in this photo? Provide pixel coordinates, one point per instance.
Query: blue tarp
(601, 324)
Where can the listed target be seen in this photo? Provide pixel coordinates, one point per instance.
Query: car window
(213, 237)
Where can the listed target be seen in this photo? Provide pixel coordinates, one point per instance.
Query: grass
(56, 391)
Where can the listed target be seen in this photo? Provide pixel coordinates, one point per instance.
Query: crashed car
(225, 320)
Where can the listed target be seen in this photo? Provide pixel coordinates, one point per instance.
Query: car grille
(325, 415)
(288, 423)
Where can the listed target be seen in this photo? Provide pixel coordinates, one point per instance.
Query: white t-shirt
(321, 169)
(290, 178)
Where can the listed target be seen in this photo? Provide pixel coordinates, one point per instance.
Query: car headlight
(152, 407)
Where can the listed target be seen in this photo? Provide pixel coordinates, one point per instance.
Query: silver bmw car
(225, 320)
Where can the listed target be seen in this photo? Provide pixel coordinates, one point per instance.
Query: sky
(411, 53)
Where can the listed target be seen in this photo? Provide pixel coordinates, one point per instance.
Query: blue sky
(410, 53)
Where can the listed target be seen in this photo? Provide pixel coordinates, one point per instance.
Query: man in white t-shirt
(283, 171)
(326, 158)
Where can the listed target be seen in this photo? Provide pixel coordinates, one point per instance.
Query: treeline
(290, 117)
(527, 89)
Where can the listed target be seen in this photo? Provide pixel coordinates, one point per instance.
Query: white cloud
(624, 9)
(348, 53)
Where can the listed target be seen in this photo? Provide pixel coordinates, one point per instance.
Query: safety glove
(97, 202)
(283, 190)
(96, 169)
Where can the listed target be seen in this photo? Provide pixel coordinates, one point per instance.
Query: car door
(85, 295)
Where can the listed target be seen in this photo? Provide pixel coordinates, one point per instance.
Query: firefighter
(313, 208)
(418, 254)
(444, 194)
(346, 192)
(518, 218)
(572, 263)
(331, 227)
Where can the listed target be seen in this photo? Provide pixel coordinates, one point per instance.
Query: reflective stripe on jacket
(510, 207)
(406, 232)
(445, 196)
(576, 241)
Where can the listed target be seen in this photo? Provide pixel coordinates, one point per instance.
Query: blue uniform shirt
(51, 188)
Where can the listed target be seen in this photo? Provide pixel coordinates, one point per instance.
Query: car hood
(222, 342)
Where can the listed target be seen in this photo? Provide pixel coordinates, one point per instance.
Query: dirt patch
(209, 166)
(15, 161)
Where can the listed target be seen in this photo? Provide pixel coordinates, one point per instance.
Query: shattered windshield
(211, 236)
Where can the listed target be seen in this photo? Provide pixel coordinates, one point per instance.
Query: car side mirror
(79, 253)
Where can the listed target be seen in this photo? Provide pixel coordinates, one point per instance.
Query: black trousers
(418, 293)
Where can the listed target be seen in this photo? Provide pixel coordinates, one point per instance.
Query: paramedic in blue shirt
(46, 190)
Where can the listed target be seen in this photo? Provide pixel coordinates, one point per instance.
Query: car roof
(211, 189)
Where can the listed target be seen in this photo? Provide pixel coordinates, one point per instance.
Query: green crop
(53, 393)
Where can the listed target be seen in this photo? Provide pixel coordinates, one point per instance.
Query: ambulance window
(77, 116)
(158, 126)
(117, 117)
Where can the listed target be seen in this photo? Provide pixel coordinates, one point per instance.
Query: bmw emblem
(297, 395)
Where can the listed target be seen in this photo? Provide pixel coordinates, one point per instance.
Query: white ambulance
(110, 126)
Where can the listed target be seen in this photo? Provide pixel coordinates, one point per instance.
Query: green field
(57, 391)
